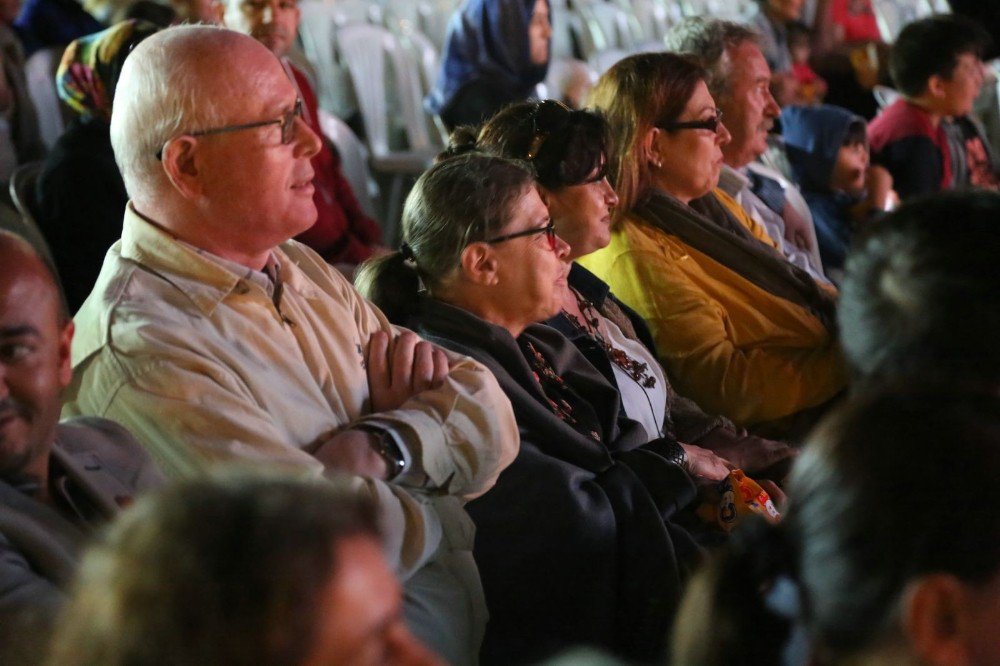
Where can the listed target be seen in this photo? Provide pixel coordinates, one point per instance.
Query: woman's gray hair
(159, 96)
(709, 40)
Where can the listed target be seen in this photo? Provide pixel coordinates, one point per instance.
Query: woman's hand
(703, 464)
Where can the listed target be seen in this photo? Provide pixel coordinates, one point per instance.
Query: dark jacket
(813, 138)
(576, 543)
(96, 467)
(486, 63)
(81, 204)
(685, 419)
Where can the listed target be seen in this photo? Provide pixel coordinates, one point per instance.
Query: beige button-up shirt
(203, 366)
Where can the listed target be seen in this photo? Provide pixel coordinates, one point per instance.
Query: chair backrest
(434, 18)
(603, 61)
(561, 45)
(22, 195)
(40, 72)
(655, 17)
(373, 54)
(607, 26)
(884, 95)
(353, 160)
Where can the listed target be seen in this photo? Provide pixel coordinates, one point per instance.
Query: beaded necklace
(552, 384)
(637, 370)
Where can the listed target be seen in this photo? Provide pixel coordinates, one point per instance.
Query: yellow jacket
(731, 346)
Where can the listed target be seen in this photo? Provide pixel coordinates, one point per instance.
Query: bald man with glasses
(215, 338)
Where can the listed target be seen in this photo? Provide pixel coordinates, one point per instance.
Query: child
(812, 87)
(827, 148)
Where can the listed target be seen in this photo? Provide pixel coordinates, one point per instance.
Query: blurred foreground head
(239, 569)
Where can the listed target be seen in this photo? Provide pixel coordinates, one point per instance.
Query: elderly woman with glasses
(740, 330)
(577, 543)
(568, 151)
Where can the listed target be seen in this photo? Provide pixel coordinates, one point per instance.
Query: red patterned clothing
(343, 233)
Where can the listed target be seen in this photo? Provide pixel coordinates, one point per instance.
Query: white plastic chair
(884, 95)
(434, 18)
(604, 60)
(607, 26)
(40, 71)
(380, 63)
(561, 45)
(353, 160)
(655, 17)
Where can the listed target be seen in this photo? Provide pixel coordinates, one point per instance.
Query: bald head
(35, 339)
(179, 80)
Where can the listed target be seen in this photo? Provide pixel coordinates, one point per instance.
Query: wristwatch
(385, 446)
(675, 453)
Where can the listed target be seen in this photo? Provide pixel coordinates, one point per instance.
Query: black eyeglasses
(549, 230)
(711, 124)
(549, 116)
(286, 121)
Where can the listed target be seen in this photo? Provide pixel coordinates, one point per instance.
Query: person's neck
(34, 477)
(485, 310)
(195, 234)
(927, 105)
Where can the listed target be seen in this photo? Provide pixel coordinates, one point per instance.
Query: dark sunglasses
(286, 121)
(711, 124)
(549, 116)
(549, 230)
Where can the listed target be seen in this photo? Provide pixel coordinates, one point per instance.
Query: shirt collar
(731, 181)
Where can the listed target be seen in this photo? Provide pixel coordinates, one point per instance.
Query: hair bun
(462, 140)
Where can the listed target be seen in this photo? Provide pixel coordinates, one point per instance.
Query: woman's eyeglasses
(549, 230)
(711, 124)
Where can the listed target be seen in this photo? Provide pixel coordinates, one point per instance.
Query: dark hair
(459, 200)
(888, 489)
(224, 570)
(798, 32)
(635, 95)
(931, 47)
(857, 132)
(564, 147)
(921, 292)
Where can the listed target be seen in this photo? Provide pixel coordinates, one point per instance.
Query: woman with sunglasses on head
(568, 151)
(576, 544)
(740, 330)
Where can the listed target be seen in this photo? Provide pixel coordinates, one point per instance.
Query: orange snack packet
(734, 498)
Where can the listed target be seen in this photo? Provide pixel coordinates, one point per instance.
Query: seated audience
(45, 23)
(811, 86)
(240, 569)
(926, 139)
(81, 195)
(215, 339)
(827, 148)
(495, 53)
(737, 77)
(889, 552)
(577, 543)
(853, 22)
(922, 294)
(20, 140)
(740, 330)
(770, 19)
(568, 151)
(343, 234)
(57, 480)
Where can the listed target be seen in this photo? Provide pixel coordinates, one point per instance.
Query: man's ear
(935, 86)
(479, 264)
(936, 620)
(65, 352)
(181, 165)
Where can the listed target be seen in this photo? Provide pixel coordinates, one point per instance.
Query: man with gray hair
(214, 338)
(739, 80)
